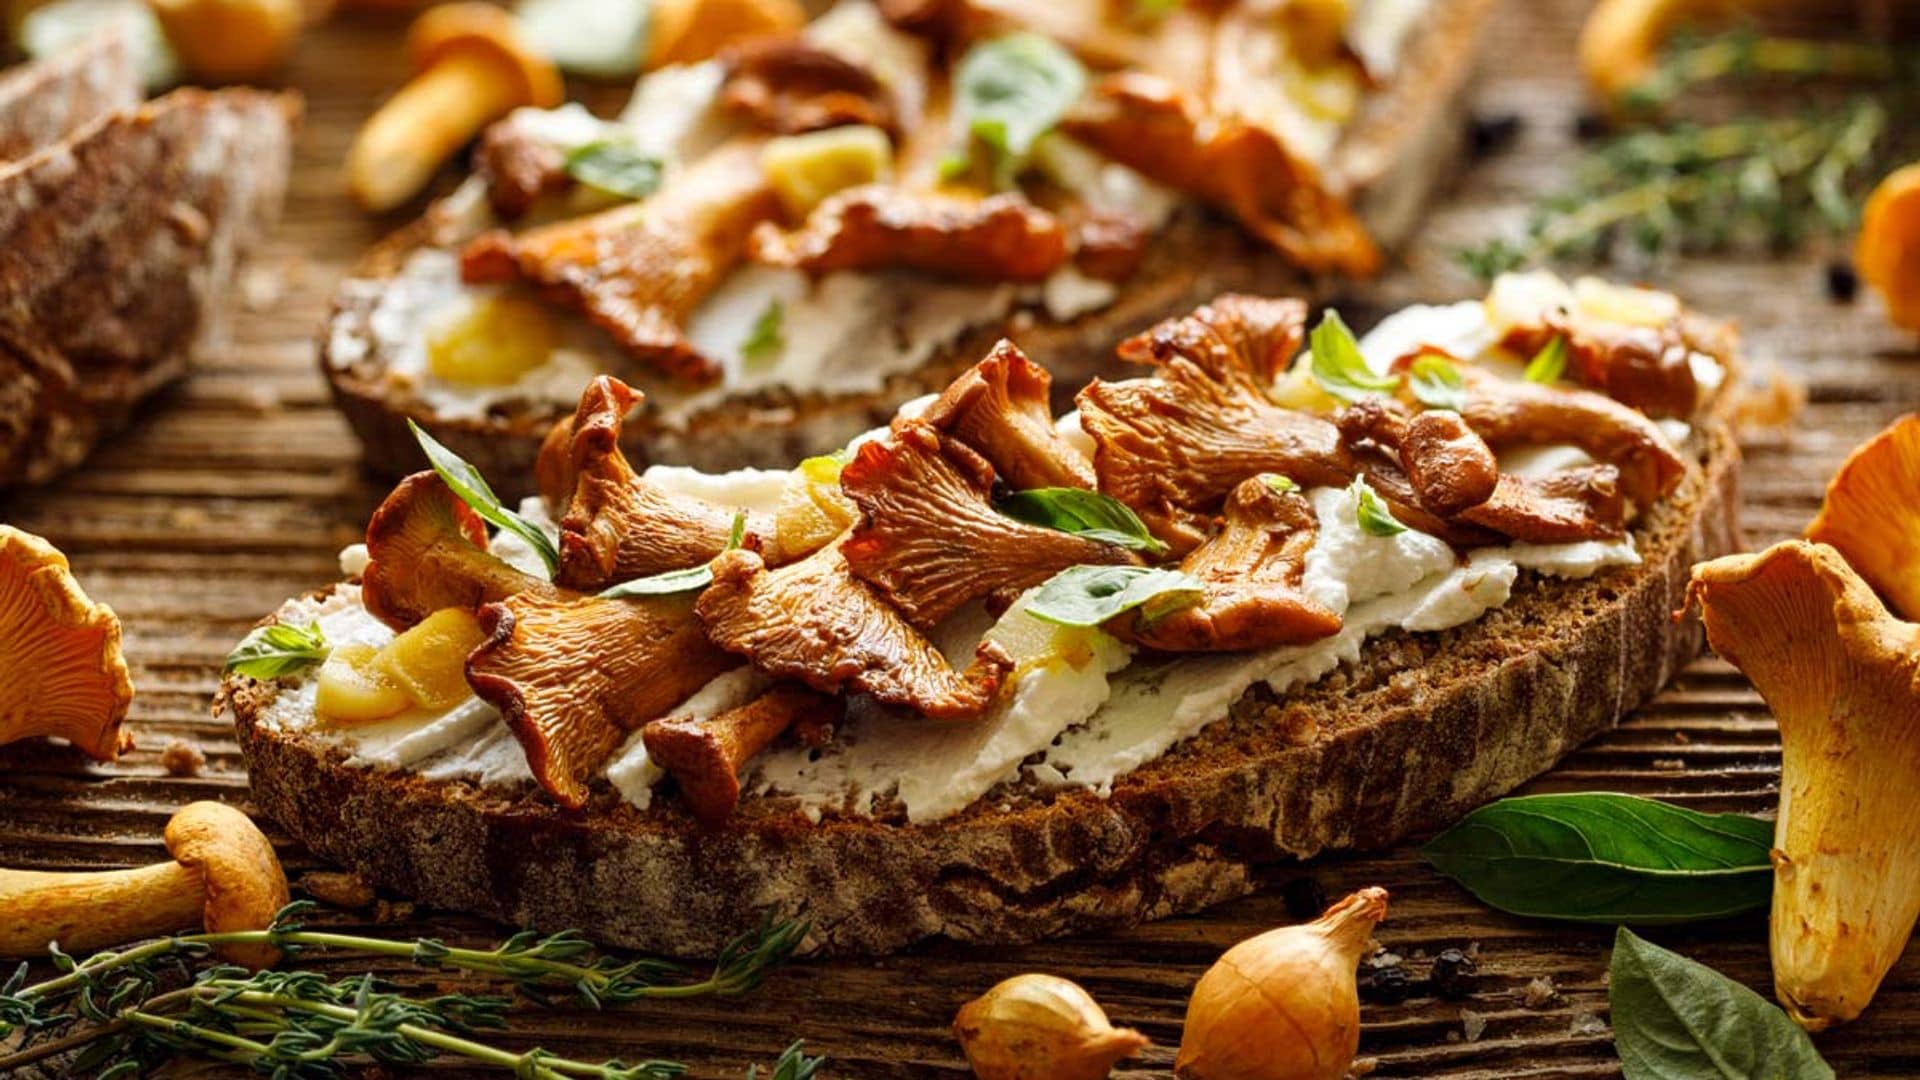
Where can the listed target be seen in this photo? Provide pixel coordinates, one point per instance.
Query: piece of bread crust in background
(118, 248)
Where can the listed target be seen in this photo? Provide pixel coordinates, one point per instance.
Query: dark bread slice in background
(1423, 728)
(1397, 150)
(118, 248)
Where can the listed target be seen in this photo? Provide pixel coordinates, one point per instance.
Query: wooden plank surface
(238, 488)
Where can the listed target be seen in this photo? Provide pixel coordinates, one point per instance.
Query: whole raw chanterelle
(61, 672)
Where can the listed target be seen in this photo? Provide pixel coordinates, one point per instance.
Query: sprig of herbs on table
(1666, 183)
(116, 1014)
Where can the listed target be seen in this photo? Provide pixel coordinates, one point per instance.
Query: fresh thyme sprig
(1760, 179)
(112, 1012)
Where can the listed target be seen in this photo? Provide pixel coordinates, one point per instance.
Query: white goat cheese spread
(1078, 714)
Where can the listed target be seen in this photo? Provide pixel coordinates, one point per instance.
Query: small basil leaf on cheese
(281, 649)
(1282, 485)
(466, 482)
(1337, 364)
(615, 166)
(1370, 511)
(767, 339)
(1550, 363)
(1082, 513)
(1009, 91)
(1436, 383)
(678, 581)
(1090, 595)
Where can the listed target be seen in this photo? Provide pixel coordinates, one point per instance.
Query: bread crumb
(261, 287)
(1585, 1023)
(1681, 738)
(392, 911)
(182, 758)
(1772, 401)
(337, 887)
(1669, 764)
(1472, 1025)
(1363, 1066)
(1539, 992)
(260, 400)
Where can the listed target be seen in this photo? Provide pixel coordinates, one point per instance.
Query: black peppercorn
(1589, 125)
(1492, 133)
(1305, 899)
(1843, 284)
(1385, 985)
(1453, 974)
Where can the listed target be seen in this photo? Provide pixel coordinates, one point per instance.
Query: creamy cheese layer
(1079, 712)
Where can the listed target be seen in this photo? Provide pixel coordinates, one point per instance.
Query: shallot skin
(1041, 1027)
(1283, 1005)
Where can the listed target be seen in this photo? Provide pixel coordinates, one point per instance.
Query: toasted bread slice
(118, 245)
(1393, 153)
(45, 101)
(1415, 730)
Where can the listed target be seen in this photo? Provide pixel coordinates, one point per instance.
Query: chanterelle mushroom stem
(224, 876)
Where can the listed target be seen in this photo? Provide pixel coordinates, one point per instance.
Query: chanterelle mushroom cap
(573, 675)
(1252, 571)
(61, 672)
(1002, 408)
(619, 526)
(474, 29)
(427, 550)
(1515, 412)
(1000, 237)
(245, 884)
(1872, 514)
(929, 539)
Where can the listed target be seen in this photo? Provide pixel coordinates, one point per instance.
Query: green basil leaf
(1283, 485)
(1371, 512)
(467, 483)
(1436, 383)
(280, 649)
(767, 339)
(1337, 364)
(1608, 858)
(616, 167)
(1082, 513)
(1674, 1019)
(668, 582)
(1549, 365)
(1009, 91)
(1090, 595)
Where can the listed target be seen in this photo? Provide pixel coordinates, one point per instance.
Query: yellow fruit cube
(352, 691)
(1607, 302)
(429, 661)
(805, 169)
(493, 342)
(813, 510)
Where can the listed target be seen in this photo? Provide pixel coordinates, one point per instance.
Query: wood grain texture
(236, 490)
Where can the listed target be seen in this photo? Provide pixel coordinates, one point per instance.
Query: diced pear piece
(494, 342)
(805, 169)
(1522, 299)
(353, 690)
(1606, 302)
(429, 661)
(812, 509)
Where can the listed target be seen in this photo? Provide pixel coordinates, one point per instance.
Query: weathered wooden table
(238, 489)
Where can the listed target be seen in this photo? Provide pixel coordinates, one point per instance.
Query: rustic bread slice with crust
(1421, 729)
(1396, 151)
(118, 247)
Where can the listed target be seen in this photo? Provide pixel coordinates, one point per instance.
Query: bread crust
(1422, 729)
(1405, 141)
